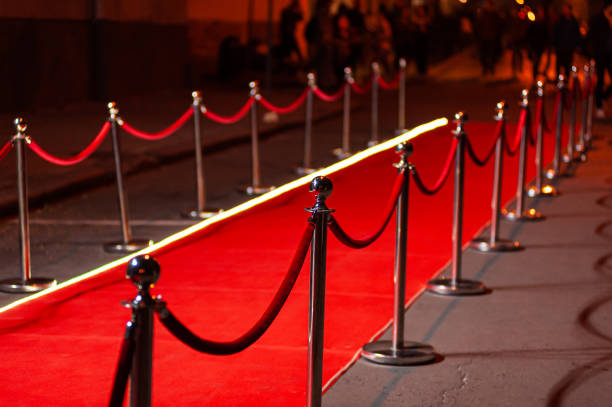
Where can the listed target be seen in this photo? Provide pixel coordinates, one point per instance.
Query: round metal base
(545, 191)
(372, 143)
(195, 214)
(304, 170)
(340, 153)
(550, 174)
(33, 285)
(579, 147)
(409, 353)
(260, 190)
(129, 247)
(527, 216)
(500, 245)
(446, 286)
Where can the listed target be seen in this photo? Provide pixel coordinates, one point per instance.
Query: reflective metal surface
(195, 214)
(127, 247)
(32, 285)
(447, 286)
(374, 135)
(545, 191)
(556, 169)
(525, 216)
(306, 167)
(404, 354)
(401, 94)
(345, 151)
(499, 245)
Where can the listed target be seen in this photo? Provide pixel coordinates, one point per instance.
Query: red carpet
(61, 349)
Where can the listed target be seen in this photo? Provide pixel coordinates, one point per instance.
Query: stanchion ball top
(322, 186)
(461, 116)
(20, 124)
(143, 271)
(404, 148)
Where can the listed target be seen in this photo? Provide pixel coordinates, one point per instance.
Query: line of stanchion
(135, 359)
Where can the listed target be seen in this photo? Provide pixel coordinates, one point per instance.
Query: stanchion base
(260, 190)
(33, 285)
(304, 170)
(579, 147)
(205, 214)
(340, 153)
(500, 245)
(409, 353)
(545, 191)
(529, 215)
(129, 247)
(372, 143)
(446, 286)
(551, 174)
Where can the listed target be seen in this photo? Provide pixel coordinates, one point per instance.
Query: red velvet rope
(482, 162)
(285, 109)
(162, 134)
(229, 119)
(5, 149)
(443, 176)
(547, 128)
(77, 158)
(328, 97)
(360, 90)
(182, 333)
(517, 138)
(349, 241)
(389, 85)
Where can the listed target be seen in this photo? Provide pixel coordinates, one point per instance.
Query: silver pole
(456, 285)
(494, 243)
(571, 142)
(374, 136)
(398, 351)
(127, 245)
(584, 117)
(589, 134)
(320, 217)
(558, 131)
(344, 151)
(25, 284)
(254, 136)
(307, 166)
(401, 114)
(540, 189)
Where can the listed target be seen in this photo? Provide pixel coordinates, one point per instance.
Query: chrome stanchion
(374, 133)
(589, 132)
(401, 103)
(494, 243)
(456, 285)
(569, 157)
(555, 171)
(397, 351)
(255, 188)
(318, 254)
(201, 212)
(519, 213)
(581, 146)
(25, 284)
(127, 245)
(345, 151)
(539, 189)
(306, 168)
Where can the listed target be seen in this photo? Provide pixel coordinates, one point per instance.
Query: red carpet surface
(62, 349)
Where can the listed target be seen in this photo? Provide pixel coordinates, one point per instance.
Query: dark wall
(54, 62)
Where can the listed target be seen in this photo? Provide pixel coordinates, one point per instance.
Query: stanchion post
(539, 189)
(345, 151)
(494, 243)
(520, 213)
(322, 186)
(255, 188)
(589, 127)
(306, 168)
(401, 103)
(581, 146)
(201, 212)
(375, 76)
(556, 169)
(397, 351)
(570, 156)
(25, 284)
(457, 285)
(127, 245)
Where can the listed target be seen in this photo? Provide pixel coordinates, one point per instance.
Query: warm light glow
(547, 189)
(520, 2)
(408, 135)
(531, 16)
(532, 211)
(463, 1)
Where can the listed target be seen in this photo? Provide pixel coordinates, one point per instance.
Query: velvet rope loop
(229, 119)
(517, 138)
(361, 90)
(443, 176)
(5, 149)
(470, 149)
(162, 134)
(389, 85)
(182, 333)
(124, 366)
(77, 158)
(349, 241)
(284, 109)
(328, 97)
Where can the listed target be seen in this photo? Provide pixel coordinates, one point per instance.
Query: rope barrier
(5, 149)
(159, 135)
(328, 97)
(124, 366)
(361, 90)
(472, 153)
(349, 241)
(228, 119)
(284, 109)
(389, 85)
(530, 137)
(517, 139)
(77, 158)
(443, 176)
(182, 333)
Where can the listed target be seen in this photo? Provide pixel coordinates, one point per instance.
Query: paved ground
(539, 338)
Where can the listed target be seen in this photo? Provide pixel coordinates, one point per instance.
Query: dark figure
(488, 34)
(421, 22)
(403, 33)
(358, 30)
(566, 38)
(600, 48)
(342, 45)
(320, 38)
(517, 40)
(537, 36)
(290, 17)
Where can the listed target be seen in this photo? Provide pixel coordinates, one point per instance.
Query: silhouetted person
(600, 48)
(290, 17)
(421, 22)
(320, 37)
(488, 34)
(566, 38)
(538, 39)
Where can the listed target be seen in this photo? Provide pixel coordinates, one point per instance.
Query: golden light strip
(408, 135)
